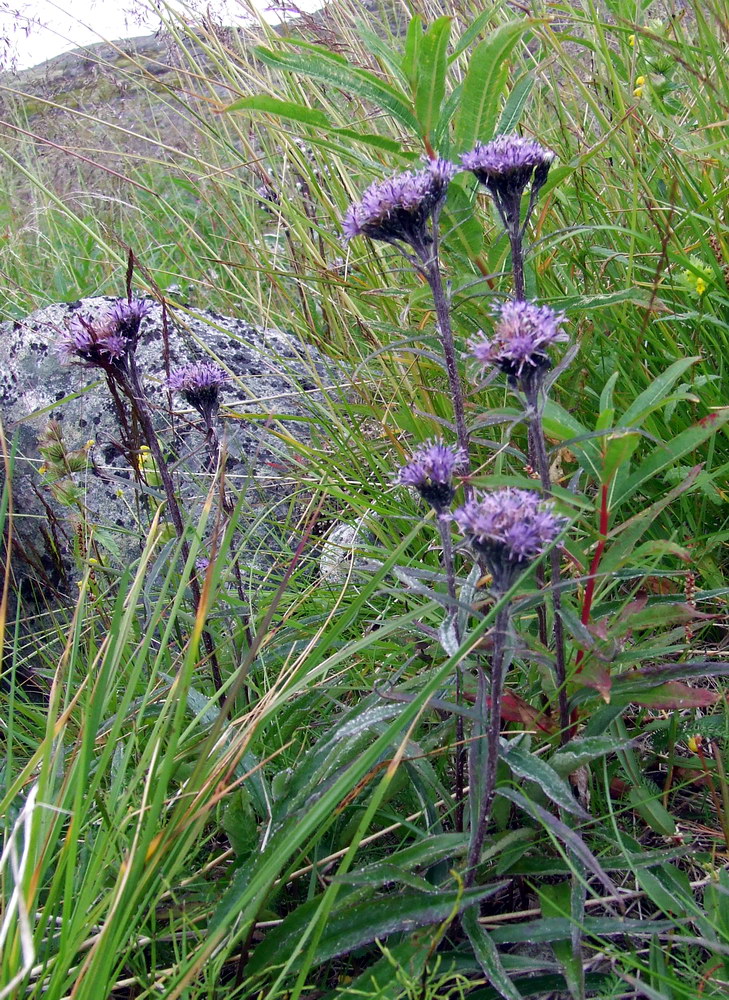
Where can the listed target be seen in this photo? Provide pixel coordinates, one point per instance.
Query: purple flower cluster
(199, 384)
(521, 337)
(107, 340)
(398, 209)
(509, 528)
(508, 156)
(505, 166)
(430, 471)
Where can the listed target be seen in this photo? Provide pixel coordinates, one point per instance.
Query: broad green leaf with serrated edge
(429, 88)
(484, 83)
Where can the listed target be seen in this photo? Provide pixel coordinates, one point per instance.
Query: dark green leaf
(487, 956)
(351, 926)
(484, 84)
(528, 765)
(572, 840)
(429, 88)
(320, 64)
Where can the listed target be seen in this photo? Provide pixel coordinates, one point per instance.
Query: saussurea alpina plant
(405, 212)
(109, 342)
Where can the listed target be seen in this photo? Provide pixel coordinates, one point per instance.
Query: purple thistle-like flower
(105, 341)
(505, 166)
(199, 384)
(509, 528)
(509, 160)
(398, 209)
(430, 471)
(521, 337)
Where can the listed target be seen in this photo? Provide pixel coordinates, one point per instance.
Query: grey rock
(274, 375)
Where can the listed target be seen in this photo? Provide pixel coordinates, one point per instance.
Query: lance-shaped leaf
(488, 956)
(354, 925)
(568, 837)
(319, 63)
(528, 765)
(430, 80)
(484, 84)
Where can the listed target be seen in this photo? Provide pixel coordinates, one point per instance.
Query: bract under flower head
(521, 337)
(430, 471)
(199, 384)
(398, 209)
(509, 528)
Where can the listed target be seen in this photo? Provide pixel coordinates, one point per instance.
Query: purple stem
(498, 662)
(138, 399)
(541, 461)
(447, 547)
(431, 268)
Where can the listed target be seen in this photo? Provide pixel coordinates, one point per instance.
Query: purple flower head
(107, 340)
(505, 166)
(430, 471)
(199, 384)
(398, 209)
(509, 528)
(521, 337)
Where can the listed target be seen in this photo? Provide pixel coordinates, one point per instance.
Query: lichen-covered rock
(273, 375)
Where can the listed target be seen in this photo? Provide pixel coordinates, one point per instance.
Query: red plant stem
(595, 566)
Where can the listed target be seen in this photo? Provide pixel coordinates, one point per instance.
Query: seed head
(399, 209)
(521, 337)
(430, 471)
(509, 528)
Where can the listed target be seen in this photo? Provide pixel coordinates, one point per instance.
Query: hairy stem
(447, 549)
(138, 399)
(541, 463)
(517, 262)
(493, 714)
(431, 269)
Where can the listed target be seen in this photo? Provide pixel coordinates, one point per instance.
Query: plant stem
(517, 262)
(138, 399)
(498, 662)
(447, 548)
(541, 463)
(431, 269)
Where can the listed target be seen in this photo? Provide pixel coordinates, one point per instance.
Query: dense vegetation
(234, 777)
